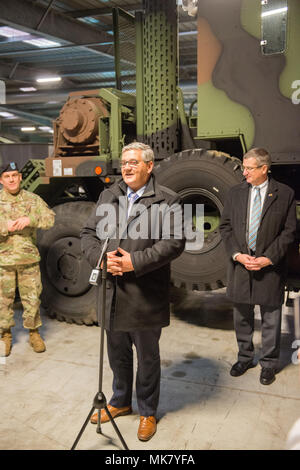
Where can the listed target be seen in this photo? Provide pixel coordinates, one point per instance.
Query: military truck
(248, 94)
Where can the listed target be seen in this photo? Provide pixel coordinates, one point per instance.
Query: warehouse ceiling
(70, 42)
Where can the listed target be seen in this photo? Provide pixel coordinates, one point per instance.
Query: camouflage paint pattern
(218, 115)
(243, 91)
(28, 279)
(19, 247)
(251, 23)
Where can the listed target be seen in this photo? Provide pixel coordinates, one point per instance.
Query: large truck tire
(201, 177)
(67, 294)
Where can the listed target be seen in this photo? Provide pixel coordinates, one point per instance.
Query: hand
(11, 225)
(253, 264)
(244, 259)
(20, 223)
(258, 263)
(126, 262)
(113, 263)
(117, 265)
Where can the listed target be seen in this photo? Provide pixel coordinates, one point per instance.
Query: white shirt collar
(262, 185)
(139, 192)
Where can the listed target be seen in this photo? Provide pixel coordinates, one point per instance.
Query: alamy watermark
(296, 94)
(296, 355)
(2, 358)
(160, 222)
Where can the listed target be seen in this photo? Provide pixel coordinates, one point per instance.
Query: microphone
(95, 274)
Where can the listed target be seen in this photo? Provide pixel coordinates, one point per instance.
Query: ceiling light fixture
(7, 115)
(28, 88)
(28, 129)
(8, 32)
(48, 79)
(46, 129)
(41, 42)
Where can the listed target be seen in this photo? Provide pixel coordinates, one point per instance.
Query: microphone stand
(100, 400)
(297, 317)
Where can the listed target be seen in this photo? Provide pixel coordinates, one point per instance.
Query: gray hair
(147, 152)
(261, 155)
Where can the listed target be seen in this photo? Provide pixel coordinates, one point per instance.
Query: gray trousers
(243, 317)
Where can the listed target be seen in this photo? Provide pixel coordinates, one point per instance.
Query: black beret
(11, 166)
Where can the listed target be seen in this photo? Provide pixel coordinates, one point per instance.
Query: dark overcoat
(276, 231)
(138, 299)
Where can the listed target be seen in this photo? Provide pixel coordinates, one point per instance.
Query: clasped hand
(253, 264)
(18, 224)
(117, 265)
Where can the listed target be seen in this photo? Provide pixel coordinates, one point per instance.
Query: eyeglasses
(131, 163)
(250, 168)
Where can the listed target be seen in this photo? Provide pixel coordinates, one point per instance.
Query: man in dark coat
(138, 265)
(257, 225)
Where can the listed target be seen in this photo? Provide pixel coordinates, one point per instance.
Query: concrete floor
(45, 398)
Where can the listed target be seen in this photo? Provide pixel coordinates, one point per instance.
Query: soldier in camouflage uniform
(21, 213)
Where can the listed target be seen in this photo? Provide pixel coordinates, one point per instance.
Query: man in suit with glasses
(258, 223)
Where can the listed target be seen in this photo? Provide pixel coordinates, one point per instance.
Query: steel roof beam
(57, 25)
(43, 120)
(42, 50)
(23, 74)
(101, 11)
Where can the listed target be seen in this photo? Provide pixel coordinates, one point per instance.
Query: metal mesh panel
(127, 48)
(160, 79)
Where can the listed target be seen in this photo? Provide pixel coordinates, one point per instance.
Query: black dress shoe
(239, 368)
(267, 376)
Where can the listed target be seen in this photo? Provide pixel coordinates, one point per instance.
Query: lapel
(271, 196)
(243, 203)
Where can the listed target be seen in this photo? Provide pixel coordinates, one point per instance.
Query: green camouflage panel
(19, 247)
(245, 92)
(28, 279)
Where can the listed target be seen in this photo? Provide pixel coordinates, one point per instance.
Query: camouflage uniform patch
(28, 280)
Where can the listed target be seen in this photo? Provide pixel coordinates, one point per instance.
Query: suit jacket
(275, 233)
(138, 299)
